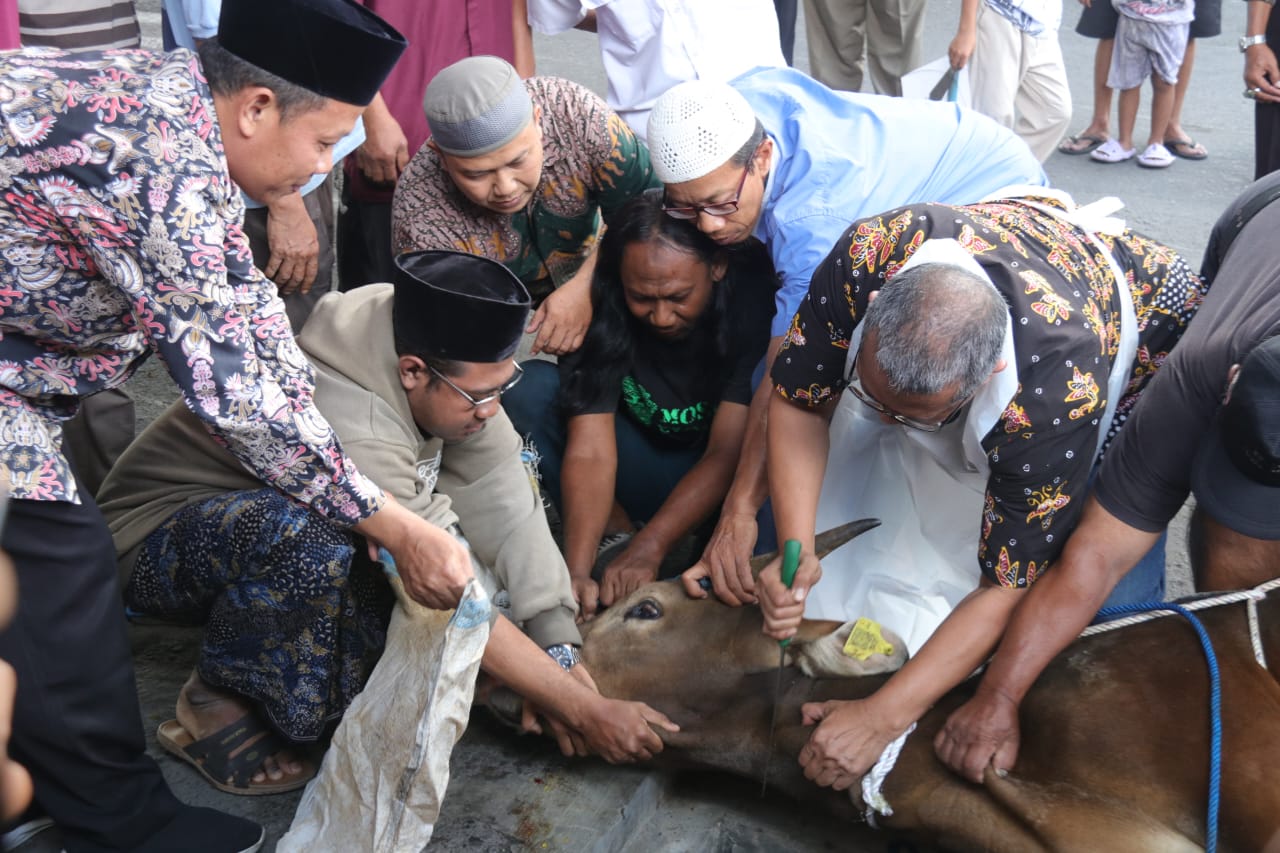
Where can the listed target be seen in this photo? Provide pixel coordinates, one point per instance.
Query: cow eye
(647, 609)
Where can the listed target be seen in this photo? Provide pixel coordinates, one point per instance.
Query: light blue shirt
(198, 19)
(841, 156)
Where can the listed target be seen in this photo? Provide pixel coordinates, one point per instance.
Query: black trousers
(786, 10)
(364, 243)
(77, 724)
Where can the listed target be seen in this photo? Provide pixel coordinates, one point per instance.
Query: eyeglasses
(723, 208)
(855, 385)
(488, 398)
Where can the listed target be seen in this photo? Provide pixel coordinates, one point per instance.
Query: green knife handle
(790, 561)
(790, 564)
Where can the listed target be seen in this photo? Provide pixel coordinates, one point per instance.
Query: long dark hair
(609, 347)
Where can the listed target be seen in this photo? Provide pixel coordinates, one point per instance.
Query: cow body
(1114, 752)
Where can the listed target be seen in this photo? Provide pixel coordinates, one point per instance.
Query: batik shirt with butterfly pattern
(120, 234)
(1066, 329)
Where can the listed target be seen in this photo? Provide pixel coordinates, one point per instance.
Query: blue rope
(1215, 705)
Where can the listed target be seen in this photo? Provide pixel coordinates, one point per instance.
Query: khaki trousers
(1020, 81)
(840, 31)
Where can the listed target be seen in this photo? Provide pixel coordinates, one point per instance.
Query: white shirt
(648, 46)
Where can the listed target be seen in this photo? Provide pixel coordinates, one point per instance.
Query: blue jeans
(647, 472)
(1145, 582)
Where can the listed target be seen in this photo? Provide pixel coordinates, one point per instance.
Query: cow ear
(858, 647)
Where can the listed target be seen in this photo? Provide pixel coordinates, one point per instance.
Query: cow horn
(826, 542)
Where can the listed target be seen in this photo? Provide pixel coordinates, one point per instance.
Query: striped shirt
(79, 24)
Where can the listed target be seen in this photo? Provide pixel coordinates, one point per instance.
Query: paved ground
(511, 793)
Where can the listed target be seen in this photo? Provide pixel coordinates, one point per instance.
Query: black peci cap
(1236, 474)
(335, 48)
(458, 307)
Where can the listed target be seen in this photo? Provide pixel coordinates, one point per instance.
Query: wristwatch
(1247, 42)
(565, 654)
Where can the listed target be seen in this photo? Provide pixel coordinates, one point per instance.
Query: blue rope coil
(1215, 704)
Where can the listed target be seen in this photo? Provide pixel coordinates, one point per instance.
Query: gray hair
(745, 156)
(228, 74)
(937, 325)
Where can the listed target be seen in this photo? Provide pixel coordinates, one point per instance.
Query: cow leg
(1065, 818)
(1224, 559)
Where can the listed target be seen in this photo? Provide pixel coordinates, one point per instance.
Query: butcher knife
(823, 544)
(790, 562)
(945, 88)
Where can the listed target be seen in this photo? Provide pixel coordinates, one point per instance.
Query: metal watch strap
(1247, 42)
(565, 654)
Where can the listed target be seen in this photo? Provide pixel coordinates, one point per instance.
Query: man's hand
(983, 731)
(433, 566)
(849, 740)
(636, 566)
(385, 151)
(961, 47)
(587, 593)
(561, 320)
(784, 608)
(727, 561)
(621, 732)
(295, 250)
(1261, 73)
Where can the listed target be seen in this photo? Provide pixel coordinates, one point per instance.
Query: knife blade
(790, 562)
(943, 87)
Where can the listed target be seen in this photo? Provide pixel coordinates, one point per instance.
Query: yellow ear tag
(865, 640)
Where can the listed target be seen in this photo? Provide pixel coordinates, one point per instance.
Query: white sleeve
(551, 17)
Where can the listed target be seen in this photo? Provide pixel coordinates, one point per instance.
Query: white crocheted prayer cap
(694, 129)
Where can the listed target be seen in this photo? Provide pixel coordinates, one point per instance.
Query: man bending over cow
(1209, 425)
(989, 353)
(523, 173)
(411, 377)
(778, 156)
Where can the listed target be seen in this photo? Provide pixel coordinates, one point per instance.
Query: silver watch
(1247, 42)
(565, 654)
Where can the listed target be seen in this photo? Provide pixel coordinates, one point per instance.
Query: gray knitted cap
(476, 106)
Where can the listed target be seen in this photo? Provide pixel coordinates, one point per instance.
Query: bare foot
(204, 709)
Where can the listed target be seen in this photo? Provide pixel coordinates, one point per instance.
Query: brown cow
(1114, 735)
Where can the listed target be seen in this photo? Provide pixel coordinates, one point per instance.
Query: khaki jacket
(479, 483)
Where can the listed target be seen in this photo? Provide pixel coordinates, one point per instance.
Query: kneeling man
(295, 614)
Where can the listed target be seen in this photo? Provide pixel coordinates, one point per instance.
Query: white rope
(874, 780)
(1256, 594)
(1255, 636)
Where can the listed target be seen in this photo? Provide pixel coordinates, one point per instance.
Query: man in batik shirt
(120, 232)
(523, 173)
(989, 352)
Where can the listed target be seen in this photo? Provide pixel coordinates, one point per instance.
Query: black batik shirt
(1066, 326)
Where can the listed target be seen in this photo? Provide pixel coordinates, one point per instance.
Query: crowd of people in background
(466, 354)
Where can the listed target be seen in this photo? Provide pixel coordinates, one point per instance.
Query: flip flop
(1155, 157)
(1081, 143)
(212, 756)
(1111, 152)
(1187, 149)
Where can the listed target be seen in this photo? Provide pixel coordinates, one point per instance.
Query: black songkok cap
(458, 307)
(1236, 473)
(335, 48)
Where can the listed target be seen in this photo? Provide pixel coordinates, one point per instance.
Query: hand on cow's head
(658, 641)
